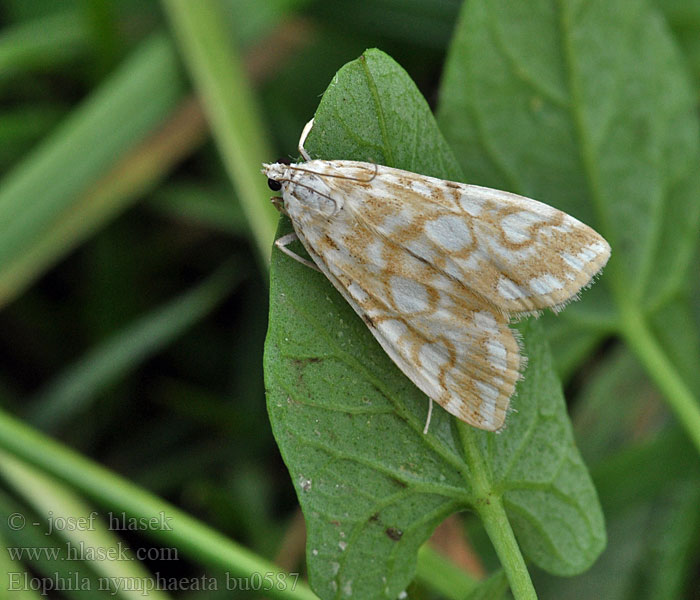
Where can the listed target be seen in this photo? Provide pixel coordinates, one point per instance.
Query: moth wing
(461, 354)
(468, 363)
(515, 253)
(436, 267)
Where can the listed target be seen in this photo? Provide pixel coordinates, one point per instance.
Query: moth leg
(302, 139)
(282, 243)
(430, 414)
(278, 203)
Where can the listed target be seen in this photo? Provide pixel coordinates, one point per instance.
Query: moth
(436, 269)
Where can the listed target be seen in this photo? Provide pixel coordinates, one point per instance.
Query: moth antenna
(357, 179)
(302, 140)
(430, 276)
(305, 155)
(308, 187)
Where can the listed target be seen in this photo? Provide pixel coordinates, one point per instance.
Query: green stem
(193, 538)
(489, 507)
(219, 75)
(438, 573)
(641, 340)
(55, 196)
(495, 520)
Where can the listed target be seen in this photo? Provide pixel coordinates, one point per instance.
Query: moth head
(276, 173)
(303, 189)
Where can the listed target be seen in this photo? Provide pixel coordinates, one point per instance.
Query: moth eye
(284, 161)
(275, 186)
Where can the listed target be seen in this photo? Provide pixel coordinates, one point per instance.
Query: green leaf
(372, 111)
(549, 496)
(684, 18)
(652, 523)
(94, 163)
(585, 106)
(588, 107)
(349, 424)
(42, 43)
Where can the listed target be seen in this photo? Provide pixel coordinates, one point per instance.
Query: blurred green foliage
(134, 288)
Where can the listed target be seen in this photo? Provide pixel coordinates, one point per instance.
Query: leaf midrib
(388, 153)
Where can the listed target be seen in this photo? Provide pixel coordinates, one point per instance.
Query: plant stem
(489, 507)
(49, 201)
(495, 520)
(192, 537)
(438, 573)
(641, 340)
(219, 76)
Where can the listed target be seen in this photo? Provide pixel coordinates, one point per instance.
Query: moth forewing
(435, 269)
(515, 253)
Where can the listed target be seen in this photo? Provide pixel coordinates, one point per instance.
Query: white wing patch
(437, 268)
